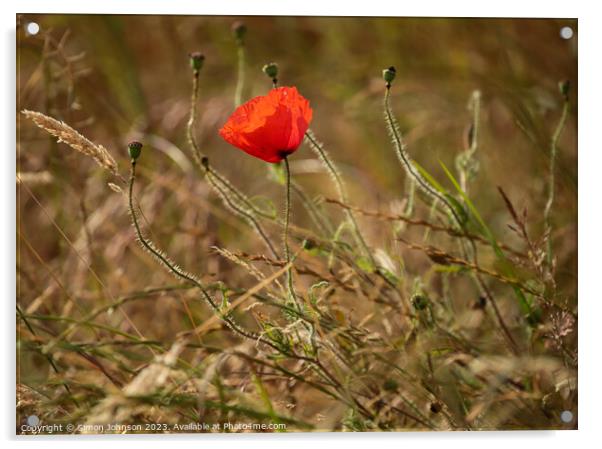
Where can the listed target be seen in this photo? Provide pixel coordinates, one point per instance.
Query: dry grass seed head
(64, 133)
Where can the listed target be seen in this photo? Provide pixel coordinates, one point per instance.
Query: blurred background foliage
(137, 80)
(116, 78)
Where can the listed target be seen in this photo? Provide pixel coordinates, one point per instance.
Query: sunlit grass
(431, 249)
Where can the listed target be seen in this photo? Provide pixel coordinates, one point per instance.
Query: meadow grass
(401, 289)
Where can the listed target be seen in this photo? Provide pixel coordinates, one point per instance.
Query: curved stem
(234, 200)
(246, 202)
(316, 215)
(214, 180)
(407, 163)
(178, 272)
(340, 186)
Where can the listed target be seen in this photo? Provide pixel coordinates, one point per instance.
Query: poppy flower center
(283, 153)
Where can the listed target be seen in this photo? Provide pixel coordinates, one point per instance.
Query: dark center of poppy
(282, 154)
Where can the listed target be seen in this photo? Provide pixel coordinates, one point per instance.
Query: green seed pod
(196, 60)
(390, 385)
(134, 148)
(480, 303)
(271, 70)
(564, 87)
(239, 29)
(309, 244)
(534, 317)
(420, 302)
(389, 75)
(435, 407)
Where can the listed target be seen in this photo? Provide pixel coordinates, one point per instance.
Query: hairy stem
(175, 270)
(551, 179)
(342, 191)
(287, 214)
(426, 187)
(240, 81)
(196, 152)
(406, 162)
(234, 200)
(221, 187)
(320, 220)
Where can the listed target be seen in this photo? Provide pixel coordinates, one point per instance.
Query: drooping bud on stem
(389, 75)
(239, 29)
(271, 70)
(196, 60)
(134, 149)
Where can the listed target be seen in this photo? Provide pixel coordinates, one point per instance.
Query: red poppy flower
(269, 127)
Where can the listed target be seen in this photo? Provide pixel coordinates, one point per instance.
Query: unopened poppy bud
(134, 149)
(196, 60)
(389, 75)
(309, 244)
(435, 407)
(420, 302)
(564, 87)
(271, 70)
(205, 162)
(239, 29)
(390, 385)
(480, 303)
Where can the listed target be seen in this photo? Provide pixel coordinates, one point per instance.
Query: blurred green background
(118, 78)
(130, 78)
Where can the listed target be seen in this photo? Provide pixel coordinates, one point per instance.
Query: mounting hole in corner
(566, 32)
(566, 416)
(32, 28)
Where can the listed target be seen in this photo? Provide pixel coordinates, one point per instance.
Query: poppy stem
(407, 164)
(222, 188)
(180, 273)
(196, 152)
(342, 191)
(240, 82)
(468, 248)
(287, 214)
(234, 200)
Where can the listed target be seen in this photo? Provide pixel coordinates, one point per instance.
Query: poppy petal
(269, 127)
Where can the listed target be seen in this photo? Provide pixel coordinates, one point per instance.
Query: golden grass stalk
(64, 133)
(35, 178)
